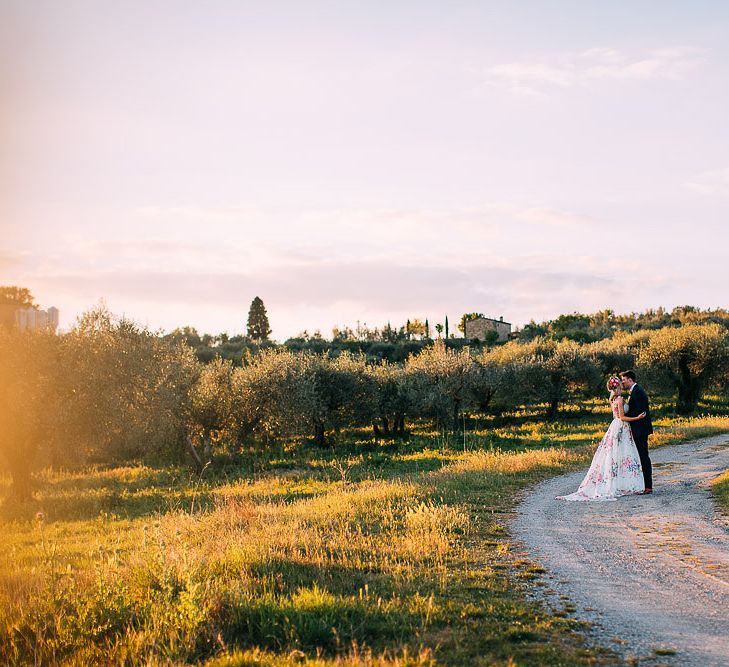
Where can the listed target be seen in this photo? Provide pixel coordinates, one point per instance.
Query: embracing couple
(621, 465)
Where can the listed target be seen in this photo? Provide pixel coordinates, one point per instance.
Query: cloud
(11, 260)
(327, 266)
(376, 285)
(714, 182)
(138, 248)
(312, 224)
(570, 69)
(341, 290)
(208, 213)
(542, 215)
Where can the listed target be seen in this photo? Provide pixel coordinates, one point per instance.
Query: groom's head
(628, 378)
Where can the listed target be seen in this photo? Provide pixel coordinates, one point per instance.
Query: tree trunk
(689, 389)
(21, 489)
(193, 451)
(688, 397)
(319, 433)
(207, 447)
(456, 422)
(382, 430)
(400, 425)
(376, 431)
(484, 402)
(243, 432)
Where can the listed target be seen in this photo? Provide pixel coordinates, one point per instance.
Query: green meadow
(389, 553)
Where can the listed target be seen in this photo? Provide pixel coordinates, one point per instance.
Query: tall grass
(720, 489)
(385, 554)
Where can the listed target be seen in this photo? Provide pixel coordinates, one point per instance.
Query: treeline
(395, 344)
(388, 343)
(606, 323)
(110, 390)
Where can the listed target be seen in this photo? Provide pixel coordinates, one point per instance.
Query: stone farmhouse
(481, 325)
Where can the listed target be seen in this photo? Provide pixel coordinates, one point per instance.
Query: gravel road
(651, 573)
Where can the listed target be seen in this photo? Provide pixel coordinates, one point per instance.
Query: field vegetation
(303, 508)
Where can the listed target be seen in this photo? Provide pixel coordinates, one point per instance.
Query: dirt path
(650, 572)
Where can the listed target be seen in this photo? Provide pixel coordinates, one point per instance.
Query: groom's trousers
(641, 444)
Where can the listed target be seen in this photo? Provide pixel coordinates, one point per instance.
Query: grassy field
(367, 554)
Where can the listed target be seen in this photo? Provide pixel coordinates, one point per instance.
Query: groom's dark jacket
(639, 403)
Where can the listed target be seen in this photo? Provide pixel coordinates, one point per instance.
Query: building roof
(490, 319)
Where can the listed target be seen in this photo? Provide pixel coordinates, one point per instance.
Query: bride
(615, 469)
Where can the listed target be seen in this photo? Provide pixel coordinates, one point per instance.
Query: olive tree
(519, 377)
(391, 400)
(210, 407)
(547, 371)
(687, 360)
(439, 381)
(27, 369)
(570, 370)
(487, 382)
(337, 392)
(267, 401)
(615, 354)
(123, 392)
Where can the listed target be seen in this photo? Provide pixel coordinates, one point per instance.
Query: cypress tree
(258, 328)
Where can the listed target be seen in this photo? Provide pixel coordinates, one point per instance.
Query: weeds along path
(651, 573)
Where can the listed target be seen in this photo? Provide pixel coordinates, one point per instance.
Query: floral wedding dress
(615, 470)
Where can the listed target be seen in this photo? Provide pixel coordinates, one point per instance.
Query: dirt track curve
(650, 572)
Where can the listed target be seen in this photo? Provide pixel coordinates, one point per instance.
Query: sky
(363, 161)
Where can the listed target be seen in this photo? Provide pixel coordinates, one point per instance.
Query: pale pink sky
(363, 161)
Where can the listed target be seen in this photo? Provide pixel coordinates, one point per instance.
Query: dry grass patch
(720, 489)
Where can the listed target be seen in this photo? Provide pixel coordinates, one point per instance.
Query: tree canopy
(16, 296)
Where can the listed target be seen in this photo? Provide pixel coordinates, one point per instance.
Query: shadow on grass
(130, 492)
(287, 576)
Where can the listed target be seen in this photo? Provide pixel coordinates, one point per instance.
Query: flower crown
(614, 383)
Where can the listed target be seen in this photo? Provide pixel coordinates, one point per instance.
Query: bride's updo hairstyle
(613, 385)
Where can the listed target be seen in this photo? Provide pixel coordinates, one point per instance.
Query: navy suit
(641, 430)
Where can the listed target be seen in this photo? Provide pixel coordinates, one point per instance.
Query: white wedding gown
(615, 470)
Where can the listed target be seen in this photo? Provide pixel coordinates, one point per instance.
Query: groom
(638, 402)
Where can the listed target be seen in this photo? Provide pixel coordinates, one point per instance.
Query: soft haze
(369, 161)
